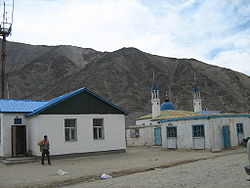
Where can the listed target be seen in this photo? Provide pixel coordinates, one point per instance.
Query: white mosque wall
(213, 132)
(146, 136)
(146, 122)
(185, 138)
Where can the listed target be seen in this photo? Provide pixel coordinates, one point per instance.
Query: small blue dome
(168, 106)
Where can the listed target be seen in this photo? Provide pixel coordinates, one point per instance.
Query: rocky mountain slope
(124, 77)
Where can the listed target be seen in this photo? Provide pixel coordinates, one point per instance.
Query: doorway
(226, 136)
(240, 132)
(18, 135)
(157, 135)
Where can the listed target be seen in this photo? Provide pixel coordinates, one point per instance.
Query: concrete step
(17, 160)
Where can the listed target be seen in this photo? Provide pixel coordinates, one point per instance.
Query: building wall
(33, 137)
(146, 122)
(1, 136)
(185, 140)
(53, 126)
(7, 122)
(218, 123)
(213, 131)
(146, 136)
(185, 133)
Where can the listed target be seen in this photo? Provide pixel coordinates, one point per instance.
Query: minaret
(196, 97)
(155, 101)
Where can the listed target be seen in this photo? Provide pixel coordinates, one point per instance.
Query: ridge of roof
(61, 98)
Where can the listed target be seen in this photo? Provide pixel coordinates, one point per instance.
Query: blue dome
(167, 106)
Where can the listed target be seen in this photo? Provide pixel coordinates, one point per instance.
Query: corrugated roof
(20, 105)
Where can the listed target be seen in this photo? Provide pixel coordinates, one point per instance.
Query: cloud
(213, 32)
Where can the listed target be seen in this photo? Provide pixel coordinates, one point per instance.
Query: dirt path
(222, 172)
(86, 168)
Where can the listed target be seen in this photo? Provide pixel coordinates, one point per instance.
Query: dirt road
(223, 172)
(138, 159)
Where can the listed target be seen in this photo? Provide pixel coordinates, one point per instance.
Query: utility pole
(5, 31)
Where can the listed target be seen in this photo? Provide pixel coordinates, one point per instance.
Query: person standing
(44, 148)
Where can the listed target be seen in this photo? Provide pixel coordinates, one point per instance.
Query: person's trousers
(45, 152)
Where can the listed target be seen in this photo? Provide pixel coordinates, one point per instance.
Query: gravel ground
(223, 172)
(86, 168)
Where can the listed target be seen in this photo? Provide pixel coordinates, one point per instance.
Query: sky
(216, 32)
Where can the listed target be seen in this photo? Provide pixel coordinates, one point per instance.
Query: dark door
(18, 140)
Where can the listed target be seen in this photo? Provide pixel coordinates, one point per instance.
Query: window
(18, 120)
(171, 132)
(239, 127)
(134, 133)
(198, 131)
(98, 130)
(70, 129)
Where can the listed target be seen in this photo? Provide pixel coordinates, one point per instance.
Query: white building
(77, 122)
(189, 130)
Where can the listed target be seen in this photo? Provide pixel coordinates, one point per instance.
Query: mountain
(124, 77)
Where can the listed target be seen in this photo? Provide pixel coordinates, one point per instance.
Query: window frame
(239, 126)
(198, 133)
(70, 130)
(172, 133)
(18, 121)
(96, 134)
(136, 133)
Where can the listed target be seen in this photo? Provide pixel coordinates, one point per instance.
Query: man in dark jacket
(44, 148)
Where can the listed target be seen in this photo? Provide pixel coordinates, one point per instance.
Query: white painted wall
(146, 122)
(53, 126)
(7, 122)
(1, 136)
(184, 133)
(146, 136)
(197, 105)
(212, 126)
(218, 123)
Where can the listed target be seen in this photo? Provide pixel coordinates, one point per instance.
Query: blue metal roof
(154, 87)
(59, 99)
(167, 106)
(33, 107)
(19, 105)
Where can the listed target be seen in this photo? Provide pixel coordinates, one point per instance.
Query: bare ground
(137, 162)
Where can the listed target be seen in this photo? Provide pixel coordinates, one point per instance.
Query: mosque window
(239, 127)
(198, 131)
(171, 132)
(134, 133)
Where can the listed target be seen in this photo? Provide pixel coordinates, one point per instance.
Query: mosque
(199, 129)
